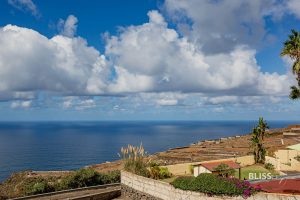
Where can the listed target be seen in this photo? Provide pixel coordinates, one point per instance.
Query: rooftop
(212, 165)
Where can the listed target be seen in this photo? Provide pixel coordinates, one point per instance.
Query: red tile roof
(285, 186)
(212, 165)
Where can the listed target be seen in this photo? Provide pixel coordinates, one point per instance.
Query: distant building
(210, 167)
(293, 130)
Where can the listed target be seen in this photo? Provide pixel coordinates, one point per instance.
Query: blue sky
(146, 60)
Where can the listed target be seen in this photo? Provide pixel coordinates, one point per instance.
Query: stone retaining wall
(157, 190)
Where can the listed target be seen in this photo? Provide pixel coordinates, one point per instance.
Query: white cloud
(163, 98)
(68, 27)
(21, 104)
(294, 7)
(79, 103)
(168, 62)
(66, 66)
(219, 109)
(85, 104)
(25, 5)
(219, 26)
(167, 102)
(152, 59)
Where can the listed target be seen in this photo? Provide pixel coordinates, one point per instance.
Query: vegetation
(269, 166)
(135, 161)
(191, 169)
(224, 170)
(212, 184)
(80, 178)
(38, 186)
(297, 158)
(257, 140)
(292, 49)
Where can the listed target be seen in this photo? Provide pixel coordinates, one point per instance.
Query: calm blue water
(71, 145)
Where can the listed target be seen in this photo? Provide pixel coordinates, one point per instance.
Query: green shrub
(214, 185)
(164, 173)
(269, 166)
(111, 177)
(89, 177)
(80, 178)
(224, 170)
(37, 186)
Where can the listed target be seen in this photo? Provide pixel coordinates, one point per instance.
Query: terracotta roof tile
(212, 165)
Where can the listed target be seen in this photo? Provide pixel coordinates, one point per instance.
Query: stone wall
(138, 187)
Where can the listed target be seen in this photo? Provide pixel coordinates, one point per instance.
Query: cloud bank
(204, 55)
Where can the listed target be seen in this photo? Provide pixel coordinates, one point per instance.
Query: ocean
(71, 145)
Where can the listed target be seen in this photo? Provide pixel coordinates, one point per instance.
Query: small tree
(257, 141)
(224, 170)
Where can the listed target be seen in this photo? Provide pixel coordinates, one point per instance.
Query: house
(286, 160)
(210, 167)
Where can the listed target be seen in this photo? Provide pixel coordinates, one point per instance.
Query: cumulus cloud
(167, 62)
(26, 6)
(219, 26)
(68, 27)
(31, 62)
(152, 59)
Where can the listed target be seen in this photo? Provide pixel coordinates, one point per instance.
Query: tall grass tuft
(134, 159)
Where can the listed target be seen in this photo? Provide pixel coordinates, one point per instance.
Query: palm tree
(292, 49)
(257, 141)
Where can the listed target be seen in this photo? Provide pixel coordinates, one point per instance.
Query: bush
(38, 186)
(157, 172)
(80, 178)
(164, 173)
(214, 185)
(224, 170)
(269, 166)
(89, 177)
(111, 177)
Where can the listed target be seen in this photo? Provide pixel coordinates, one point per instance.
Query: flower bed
(212, 184)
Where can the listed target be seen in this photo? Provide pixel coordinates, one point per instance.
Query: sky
(146, 60)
